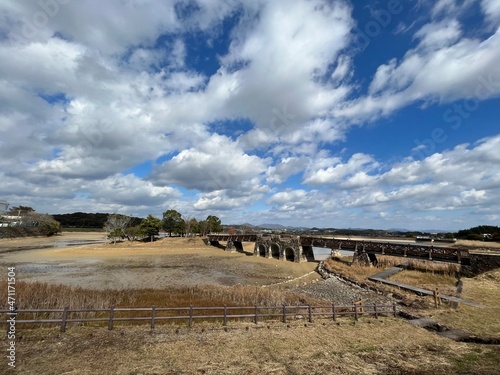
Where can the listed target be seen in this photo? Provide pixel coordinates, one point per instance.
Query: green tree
(479, 230)
(173, 222)
(46, 224)
(194, 225)
(49, 226)
(132, 233)
(150, 227)
(213, 224)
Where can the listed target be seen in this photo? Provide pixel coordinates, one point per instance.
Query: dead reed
(43, 296)
(446, 269)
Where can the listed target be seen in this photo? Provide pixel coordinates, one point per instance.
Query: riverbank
(61, 240)
(161, 264)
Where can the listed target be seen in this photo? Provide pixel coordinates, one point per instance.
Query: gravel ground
(343, 293)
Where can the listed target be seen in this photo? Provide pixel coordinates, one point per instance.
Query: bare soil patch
(170, 262)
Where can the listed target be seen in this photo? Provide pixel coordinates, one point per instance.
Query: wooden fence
(191, 313)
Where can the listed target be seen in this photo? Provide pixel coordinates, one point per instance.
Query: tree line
(172, 222)
(481, 233)
(122, 226)
(87, 220)
(25, 221)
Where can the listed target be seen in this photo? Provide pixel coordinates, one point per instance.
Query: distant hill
(272, 226)
(86, 220)
(247, 225)
(398, 230)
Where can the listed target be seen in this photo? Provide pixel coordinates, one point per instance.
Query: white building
(11, 221)
(8, 220)
(4, 206)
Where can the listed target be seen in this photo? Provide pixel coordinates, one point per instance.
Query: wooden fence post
(437, 298)
(153, 316)
(358, 310)
(63, 320)
(111, 317)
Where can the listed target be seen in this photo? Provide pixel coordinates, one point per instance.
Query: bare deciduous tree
(190, 226)
(115, 226)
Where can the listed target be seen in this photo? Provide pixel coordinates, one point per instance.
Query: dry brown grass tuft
(43, 296)
(481, 321)
(383, 262)
(354, 272)
(445, 284)
(47, 296)
(423, 274)
(385, 346)
(477, 244)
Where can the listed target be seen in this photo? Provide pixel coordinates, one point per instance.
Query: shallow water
(47, 243)
(322, 253)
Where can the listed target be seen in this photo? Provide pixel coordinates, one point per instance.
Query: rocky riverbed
(341, 292)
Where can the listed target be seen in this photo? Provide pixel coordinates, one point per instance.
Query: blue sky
(374, 114)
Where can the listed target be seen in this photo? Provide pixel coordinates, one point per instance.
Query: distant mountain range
(272, 226)
(283, 227)
(266, 226)
(422, 230)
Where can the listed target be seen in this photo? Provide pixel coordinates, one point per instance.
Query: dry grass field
(167, 263)
(143, 274)
(481, 321)
(483, 289)
(478, 245)
(369, 346)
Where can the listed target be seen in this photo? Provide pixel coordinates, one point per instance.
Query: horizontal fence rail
(155, 314)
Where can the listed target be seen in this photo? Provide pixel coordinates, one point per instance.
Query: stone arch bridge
(300, 248)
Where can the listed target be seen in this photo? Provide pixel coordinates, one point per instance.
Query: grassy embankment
(483, 289)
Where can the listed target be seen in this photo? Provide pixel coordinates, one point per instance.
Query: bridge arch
(262, 250)
(275, 250)
(289, 254)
